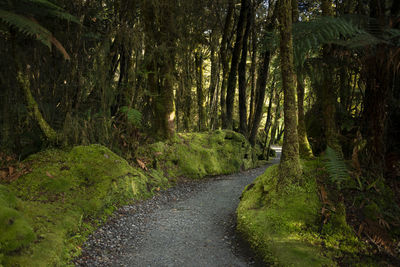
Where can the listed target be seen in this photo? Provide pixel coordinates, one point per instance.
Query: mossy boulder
(284, 226)
(196, 155)
(63, 197)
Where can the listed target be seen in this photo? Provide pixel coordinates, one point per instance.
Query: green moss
(47, 214)
(196, 155)
(15, 231)
(66, 192)
(283, 224)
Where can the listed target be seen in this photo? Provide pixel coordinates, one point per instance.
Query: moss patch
(285, 226)
(62, 198)
(196, 155)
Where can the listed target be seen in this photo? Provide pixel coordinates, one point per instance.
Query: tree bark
(224, 59)
(242, 77)
(230, 90)
(33, 109)
(290, 162)
(253, 77)
(304, 146)
(199, 85)
(260, 96)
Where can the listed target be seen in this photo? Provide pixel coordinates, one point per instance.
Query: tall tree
(290, 162)
(242, 75)
(199, 86)
(224, 58)
(232, 79)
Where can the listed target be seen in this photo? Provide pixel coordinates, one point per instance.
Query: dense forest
(319, 77)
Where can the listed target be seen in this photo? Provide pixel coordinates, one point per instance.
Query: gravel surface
(191, 224)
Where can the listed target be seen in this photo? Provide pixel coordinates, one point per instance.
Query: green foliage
(22, 15)
(133, 116)
(336, 166)
(311, 35)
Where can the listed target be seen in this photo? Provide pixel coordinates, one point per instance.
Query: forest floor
(191, 224)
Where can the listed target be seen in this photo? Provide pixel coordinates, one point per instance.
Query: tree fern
(335, 166)
(350, 31)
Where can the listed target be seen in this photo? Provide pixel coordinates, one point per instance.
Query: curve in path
(188, 225)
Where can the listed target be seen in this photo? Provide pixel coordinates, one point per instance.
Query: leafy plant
(133, 116)
(336, 166)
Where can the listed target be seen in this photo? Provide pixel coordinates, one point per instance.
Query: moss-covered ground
(46, 215)
(298, 224)
(196, 155)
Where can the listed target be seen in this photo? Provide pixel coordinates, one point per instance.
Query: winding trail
(191, 224)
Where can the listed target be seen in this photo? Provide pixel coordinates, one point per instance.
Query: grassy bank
(46, 214)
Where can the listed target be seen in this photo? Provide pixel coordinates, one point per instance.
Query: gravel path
(191, 224)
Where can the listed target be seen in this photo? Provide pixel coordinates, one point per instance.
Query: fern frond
(26, 26)
(311, 35)
(133, 116)
(336, 166)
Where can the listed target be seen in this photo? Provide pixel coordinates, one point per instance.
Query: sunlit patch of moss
(65, 193)
(283, 224)
(196, 155)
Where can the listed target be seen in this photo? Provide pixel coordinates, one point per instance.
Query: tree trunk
(161, 66)
(213, 89)
(242, 77)
(33, 109)
(224, 59)
(329, 98)
(304, 146)
(290, 163)
(199, 85)
(231, 88)
(252, 77)
(260, 96)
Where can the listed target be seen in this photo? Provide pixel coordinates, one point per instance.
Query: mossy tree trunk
(304, 146)
(161, 49)
(33, 109)
(329, 98)
(232, 79)
(290, 163)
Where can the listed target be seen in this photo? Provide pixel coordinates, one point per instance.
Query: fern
(350, 31)
(133, 116)
(335, 166)
(22, 14)
(26, 26)
(311, 35)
